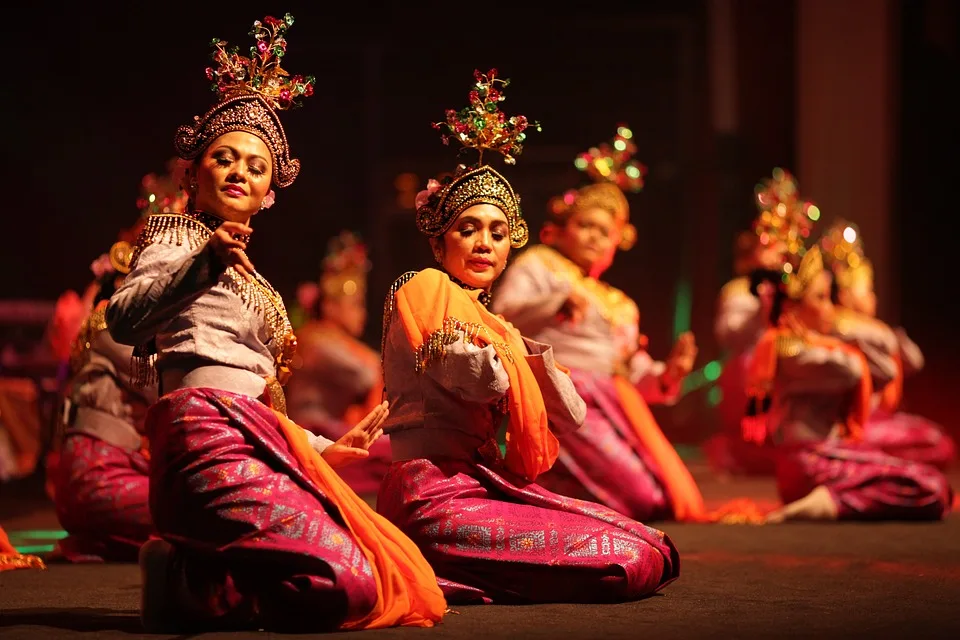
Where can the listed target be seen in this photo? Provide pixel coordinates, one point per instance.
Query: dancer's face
(232, 176)
(815, 309)
(586, 238)
(476, 248)
(861, 298)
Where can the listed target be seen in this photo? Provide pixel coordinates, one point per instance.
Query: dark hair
(834, 289)
(758, 277)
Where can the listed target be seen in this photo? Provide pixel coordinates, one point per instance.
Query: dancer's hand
(354, 444)
(574, 308)
(682, 357)
(230, 250)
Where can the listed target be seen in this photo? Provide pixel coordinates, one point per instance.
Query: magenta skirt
(866, 483)
(257, 537)
(101, 501)
(910, 437)
(603, 461)
(493, 539)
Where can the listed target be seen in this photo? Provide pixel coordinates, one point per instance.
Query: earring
(437, 257)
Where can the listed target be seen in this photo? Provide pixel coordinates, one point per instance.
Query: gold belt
(274, 393)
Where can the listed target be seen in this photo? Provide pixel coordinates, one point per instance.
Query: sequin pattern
(492, 538)
(101, 500)
(226, 488)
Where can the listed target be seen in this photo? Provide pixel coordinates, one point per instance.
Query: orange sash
(680, 486)
(407, 591)
(762, 372)
(11, 559)
(893, 391)
(434, 312)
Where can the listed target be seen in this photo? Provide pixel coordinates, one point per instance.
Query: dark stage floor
(796, 580)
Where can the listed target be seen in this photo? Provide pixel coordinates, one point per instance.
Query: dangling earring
(437, 256)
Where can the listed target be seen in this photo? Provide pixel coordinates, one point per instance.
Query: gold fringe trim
(614, 305)
(789, 346)
(89, 330)
(258, 296)
(170, 228)
(389, 306)
(434, 348)
(10, 561)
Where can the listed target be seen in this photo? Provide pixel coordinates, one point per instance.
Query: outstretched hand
(682, 357)
(354, 444)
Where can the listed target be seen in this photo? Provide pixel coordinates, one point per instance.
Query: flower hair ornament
(613, 171)
(842, 248)
(345, 266)
(483, 127)
(250, 91)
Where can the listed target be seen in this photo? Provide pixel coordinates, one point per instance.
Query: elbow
(123, 327)
(118, 324)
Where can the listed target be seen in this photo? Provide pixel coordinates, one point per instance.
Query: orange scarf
(893, 391)
(680, 486)
(11, 559)
(434, 312)
(407, 591)
(762, 372)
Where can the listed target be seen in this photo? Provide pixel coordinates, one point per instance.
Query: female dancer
(455, 373)
(256, 529)
(339, 379)
(782, 225)
(891, 353)
(811, 393)
(553, 293)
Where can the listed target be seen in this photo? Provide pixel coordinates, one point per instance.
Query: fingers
(235, 228)
(372, 421)
(353, 452)
(241, 259)
(242, 272)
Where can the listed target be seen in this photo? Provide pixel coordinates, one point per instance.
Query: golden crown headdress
(483, 127)
(783, 215)
(163, 193)
(250, 92)
(843, 253)
(797, 278)
(613, 171)
(345, 266)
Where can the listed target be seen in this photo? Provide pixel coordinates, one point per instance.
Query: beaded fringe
(435, 346)
(257, 296)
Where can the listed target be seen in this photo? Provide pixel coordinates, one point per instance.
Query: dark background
(93, 96)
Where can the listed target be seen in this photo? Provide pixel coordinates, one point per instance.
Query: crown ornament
(250, 92)
(480, 126)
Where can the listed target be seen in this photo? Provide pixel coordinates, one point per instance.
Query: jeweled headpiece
(481, 126)
(613, 171)
(842, 248)
(250, 92)
(345, 267)
(163, 193)
(784, 216)
(796, 278)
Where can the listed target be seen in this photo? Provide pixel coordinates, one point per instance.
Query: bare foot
(816, 505)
